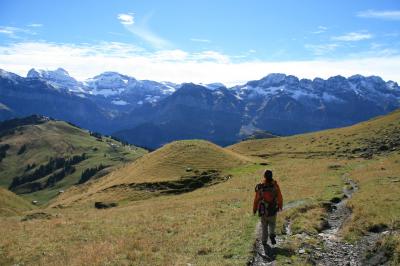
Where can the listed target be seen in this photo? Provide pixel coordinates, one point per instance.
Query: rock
(377, 228)
(204, 251)
(104, 205)
(336, 200)
(334, 166)
(302, 251)
(324, 225)
(328, 206)
(383, 148)
(37, 215)
(35, 202)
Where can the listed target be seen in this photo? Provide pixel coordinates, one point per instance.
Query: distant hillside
(366, 139)
(11, 204)
(173, 162)
(39, 157)
(261, 134)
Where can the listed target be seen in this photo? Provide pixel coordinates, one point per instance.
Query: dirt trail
(332, 249)
(265, 255)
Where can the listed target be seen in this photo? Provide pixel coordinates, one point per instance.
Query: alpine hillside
(41, 157)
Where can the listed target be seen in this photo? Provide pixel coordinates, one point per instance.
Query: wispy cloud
(353, 37)
(383, 14)
(35, 25)
(126, 19)
(14, 32)
(200, 40)
(206, 67)
(321, 49)
(143, 31)
(321, 29)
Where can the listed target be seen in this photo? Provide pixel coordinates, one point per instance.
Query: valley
(45, 156)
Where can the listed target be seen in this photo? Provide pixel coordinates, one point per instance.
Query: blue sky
(202, 41)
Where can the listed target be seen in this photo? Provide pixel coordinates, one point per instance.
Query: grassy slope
(165, 164)
(214, 225)
(11, 204)
(338, 142)
(60, 139)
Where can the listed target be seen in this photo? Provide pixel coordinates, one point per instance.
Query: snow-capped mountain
(336, 88)
(126, 92)
(284, 104)
(109, 88)
(151, 113)
(59, 79)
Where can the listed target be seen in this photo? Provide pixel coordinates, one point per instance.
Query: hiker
(268, 201)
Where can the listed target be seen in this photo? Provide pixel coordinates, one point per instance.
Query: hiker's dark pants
(268, 224)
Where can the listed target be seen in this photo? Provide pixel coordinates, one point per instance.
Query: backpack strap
(259, 190)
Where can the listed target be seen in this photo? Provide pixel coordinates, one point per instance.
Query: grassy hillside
(365, 139)
(213, 225)
(11, 204)
(177, 161)
(34, 142)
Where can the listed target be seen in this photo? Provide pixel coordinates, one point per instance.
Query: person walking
(267, 202)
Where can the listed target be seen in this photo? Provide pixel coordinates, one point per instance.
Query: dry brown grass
(165, 164)
(377, 203)
(322, 143)
(11, 204)
(212, 225)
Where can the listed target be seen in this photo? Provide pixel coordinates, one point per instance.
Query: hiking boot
(273, 240)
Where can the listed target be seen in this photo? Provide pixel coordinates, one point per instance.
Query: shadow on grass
(183, 185)
(273, 252)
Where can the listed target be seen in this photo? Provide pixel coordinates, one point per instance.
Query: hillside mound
(373, 137)
(41, 157)
(177, 161)
(11, 204)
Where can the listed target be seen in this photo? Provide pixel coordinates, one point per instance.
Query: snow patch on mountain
(119, 102)
(59, 79)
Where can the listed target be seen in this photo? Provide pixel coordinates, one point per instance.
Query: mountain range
(150, 113)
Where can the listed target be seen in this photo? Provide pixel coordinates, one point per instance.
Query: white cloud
(200, 40)
(142, 31)
(211, 56)
(385, 14)
(13, 32)
(87, 60)
(321, 29)
(148, 36)
(35, 25)
(353, 37)
(321, 49)
(126, 19)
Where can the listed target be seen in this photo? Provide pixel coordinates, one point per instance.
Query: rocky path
(265, 255)
(332, 250)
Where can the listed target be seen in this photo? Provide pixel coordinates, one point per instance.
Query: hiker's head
(268, 175)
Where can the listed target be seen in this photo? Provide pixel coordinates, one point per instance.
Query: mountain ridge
(149, 113)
